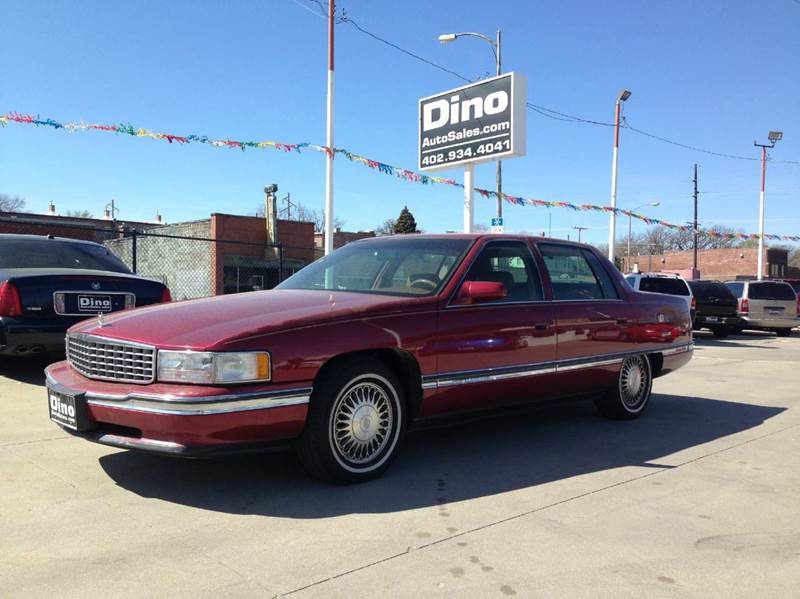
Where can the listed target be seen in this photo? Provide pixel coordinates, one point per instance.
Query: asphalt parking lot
(700, 497)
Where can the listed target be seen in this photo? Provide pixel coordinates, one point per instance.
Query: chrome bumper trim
(196, 406)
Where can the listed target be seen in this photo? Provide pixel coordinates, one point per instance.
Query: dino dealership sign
(475, 123)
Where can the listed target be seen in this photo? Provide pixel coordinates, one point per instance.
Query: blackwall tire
(629, 398)
(356, 421)
(721, 332)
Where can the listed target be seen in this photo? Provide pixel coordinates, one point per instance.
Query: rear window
(709, 290)
(737, 289)
(771, 291)
(50, 253)
(663, 285)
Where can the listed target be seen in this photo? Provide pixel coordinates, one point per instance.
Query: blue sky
(710, 74)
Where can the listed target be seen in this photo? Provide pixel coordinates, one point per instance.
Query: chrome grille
(110, 359)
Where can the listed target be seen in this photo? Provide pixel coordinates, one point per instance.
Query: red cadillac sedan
(384, 333)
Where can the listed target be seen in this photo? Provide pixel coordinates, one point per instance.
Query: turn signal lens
(744, 305)
(10, 304)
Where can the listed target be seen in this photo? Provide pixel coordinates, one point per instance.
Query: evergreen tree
(405, 223)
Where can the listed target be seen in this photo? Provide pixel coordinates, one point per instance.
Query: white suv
(656, 282)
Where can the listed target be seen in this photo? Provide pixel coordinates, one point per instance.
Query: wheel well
(400, 361)
(656, 363)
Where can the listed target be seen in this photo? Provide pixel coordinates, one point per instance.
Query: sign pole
(329, 220)
(469, 206)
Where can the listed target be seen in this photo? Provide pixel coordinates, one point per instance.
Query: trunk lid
(51, 293)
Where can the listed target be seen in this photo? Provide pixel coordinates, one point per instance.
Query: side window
(736, 288)
(606, 284)
(509, 263)
(571, 275)
(631, 281)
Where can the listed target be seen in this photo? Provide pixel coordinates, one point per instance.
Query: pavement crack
(659, 470)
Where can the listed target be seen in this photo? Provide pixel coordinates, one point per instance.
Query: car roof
(20, 236)
(656, 275)
(473, 237)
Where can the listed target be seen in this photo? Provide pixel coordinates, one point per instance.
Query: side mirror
(473, 292)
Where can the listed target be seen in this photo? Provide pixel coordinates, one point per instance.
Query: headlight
(210, 368)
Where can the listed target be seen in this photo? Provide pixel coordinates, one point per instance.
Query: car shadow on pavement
(26, 370)
(445, 465)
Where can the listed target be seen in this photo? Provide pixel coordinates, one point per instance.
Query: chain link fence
(185, 257)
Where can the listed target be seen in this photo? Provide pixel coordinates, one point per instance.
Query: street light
(773, 136)
(446, 38)
(579, 229)
(629, 225)
(612, 233)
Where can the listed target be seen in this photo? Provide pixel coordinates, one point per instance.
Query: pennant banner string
(387, 169)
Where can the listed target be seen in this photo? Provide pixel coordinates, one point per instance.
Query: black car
(47, 284)
(716, 308)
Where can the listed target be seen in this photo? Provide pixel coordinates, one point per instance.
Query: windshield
(406, 266)
(709, 290)
(52, 253)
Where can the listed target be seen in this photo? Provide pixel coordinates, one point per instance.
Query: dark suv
(716, 308)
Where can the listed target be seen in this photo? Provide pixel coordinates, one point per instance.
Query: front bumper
(164, 419)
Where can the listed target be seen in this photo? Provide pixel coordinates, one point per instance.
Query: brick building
(723, 263)
(225, 253)
(340, 238)
(73, 227)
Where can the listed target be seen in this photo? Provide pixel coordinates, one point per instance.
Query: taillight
(798, 305)
(9, 300)
(166, 296)
(744, 305)
(694, 303)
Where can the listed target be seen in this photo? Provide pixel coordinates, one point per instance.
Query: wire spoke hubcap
(362, 422)
(633, 381)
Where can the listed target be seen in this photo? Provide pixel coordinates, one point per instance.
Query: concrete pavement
(699, 497)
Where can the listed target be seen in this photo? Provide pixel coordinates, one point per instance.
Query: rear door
(771, 300)
(592, 322)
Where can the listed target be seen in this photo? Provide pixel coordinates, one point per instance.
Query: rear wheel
(630, 396)
(356, 420)
(721, 332)
(783, 332)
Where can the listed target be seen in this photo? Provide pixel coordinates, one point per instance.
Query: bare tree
(79, 213)
(387, 228)
(303, 213)
(11, 203)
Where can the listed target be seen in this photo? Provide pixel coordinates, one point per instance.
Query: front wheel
(356, 419)
(630, 396)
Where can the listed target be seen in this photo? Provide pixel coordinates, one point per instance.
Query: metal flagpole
(329, 140)
(469, 206)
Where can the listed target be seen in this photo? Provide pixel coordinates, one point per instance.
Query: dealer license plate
(68, 409)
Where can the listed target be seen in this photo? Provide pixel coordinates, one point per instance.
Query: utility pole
(579, 229)
(695, 219)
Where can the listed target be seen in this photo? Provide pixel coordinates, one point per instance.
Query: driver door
(500, 351)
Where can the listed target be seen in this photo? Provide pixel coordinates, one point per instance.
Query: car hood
(213, 322)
